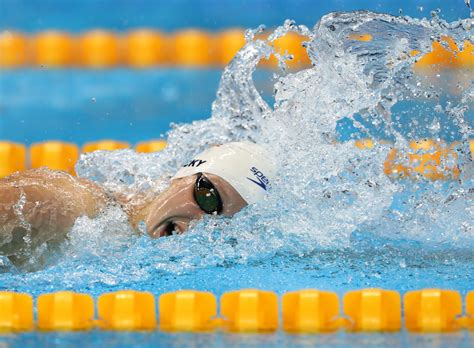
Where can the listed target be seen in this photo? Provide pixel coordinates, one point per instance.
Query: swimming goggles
(206, 195)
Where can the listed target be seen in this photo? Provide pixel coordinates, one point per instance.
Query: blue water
(80, 106)
(240, 340)
(131, 105)
(79, 15)
(386, 266)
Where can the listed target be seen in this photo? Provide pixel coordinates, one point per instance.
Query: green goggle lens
(206, 196)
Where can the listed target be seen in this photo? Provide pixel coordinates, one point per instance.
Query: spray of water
(328, 195)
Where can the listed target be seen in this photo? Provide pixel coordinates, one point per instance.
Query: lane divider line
(195, 48)
(140, 48)
(248, 310)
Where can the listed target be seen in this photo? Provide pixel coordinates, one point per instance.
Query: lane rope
(248, 310)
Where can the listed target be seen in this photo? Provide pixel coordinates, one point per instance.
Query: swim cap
(244, 165)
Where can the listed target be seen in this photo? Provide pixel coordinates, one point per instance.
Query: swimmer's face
(188, 199)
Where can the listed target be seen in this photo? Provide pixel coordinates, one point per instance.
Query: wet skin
(40, 206)
(47, 203)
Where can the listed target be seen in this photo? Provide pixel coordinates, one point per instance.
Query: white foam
(326, 190)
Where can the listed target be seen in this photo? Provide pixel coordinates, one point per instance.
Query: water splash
(326, 189)
(329, 197)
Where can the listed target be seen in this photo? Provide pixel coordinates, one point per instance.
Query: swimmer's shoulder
(45, 182)
(38, 174)
(46, 176)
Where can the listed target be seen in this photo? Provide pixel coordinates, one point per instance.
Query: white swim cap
(244, 165)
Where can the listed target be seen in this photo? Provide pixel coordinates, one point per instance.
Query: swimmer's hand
(40, 206)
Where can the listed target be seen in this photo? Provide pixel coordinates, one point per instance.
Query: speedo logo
(261, 179)
(195, 163)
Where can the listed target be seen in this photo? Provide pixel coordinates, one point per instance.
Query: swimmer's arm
(41, 206)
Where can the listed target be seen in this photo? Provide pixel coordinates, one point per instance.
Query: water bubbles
(435, 126)
(403, 263)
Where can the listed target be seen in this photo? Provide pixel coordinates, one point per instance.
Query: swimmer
(40, 206)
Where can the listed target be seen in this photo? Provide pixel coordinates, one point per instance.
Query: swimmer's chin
(168, 227)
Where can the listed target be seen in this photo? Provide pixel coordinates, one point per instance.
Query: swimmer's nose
(173, 210)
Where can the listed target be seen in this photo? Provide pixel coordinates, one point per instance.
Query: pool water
(240, 340)
(77, 15)
(79, 105)
(334, 220)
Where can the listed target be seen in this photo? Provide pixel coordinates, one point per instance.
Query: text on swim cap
(195, 163)
(263, 181)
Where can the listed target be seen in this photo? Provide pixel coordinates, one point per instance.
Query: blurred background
(79, 15)
(80, 98)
